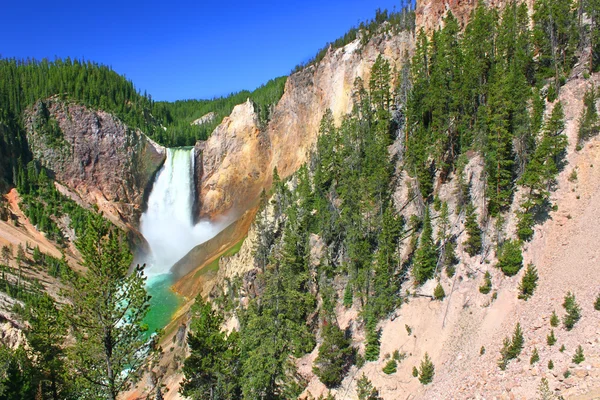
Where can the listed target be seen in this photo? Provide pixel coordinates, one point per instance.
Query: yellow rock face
(239, 158)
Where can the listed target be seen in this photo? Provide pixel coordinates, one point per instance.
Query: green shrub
(597, 303)
(439, 293)
(573, 176)
(487, 283)
(415, 372)
(550, 364)
(391, 367)
(482, 350)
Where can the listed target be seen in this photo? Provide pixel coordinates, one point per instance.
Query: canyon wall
(95, 155)
(239, 158)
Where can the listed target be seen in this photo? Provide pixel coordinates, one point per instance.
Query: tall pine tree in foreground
(211, 371)
(107, 312)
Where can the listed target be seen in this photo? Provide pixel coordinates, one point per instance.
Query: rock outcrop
(234, 164)
(430, 13)
(239, 158)
(206, 118)
(95, 155)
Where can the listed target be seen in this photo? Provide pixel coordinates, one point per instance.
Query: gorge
(412, 213)
(169, 229)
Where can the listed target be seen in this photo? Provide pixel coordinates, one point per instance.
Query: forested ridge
(179, 115)
(24, 82)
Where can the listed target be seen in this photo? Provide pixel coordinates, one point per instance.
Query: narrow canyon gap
(168, 227)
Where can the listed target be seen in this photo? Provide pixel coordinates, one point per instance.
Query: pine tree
(211, 370)
(6, 254)
(589, 125)
(555, 36)
(274, 325)
(528, 283)
(544, 389)
(348, 296)
(578, 358)
(517, 342)
(535, 356)
(592, 8)
(379, 87)
(335, 356)
(499, 157)
(554, 319)
(511, 347)
(473, 242)
(573, 311)
(426, 255)
(426, 371)
(365, 389)
(46, 335)
(373, 342)
(540, 174)
(438, 292)
(551, 339)
(107, 312)
(510, 259)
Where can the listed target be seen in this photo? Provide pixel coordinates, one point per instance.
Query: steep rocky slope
(430, 13)
(454, 331)
(95, 155)
(234, 161)
(238, 159)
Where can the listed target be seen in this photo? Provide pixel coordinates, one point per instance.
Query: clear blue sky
(182, 49)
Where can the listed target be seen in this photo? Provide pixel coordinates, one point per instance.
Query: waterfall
(168, 224)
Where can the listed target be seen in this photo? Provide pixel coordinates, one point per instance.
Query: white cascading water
(167, 224)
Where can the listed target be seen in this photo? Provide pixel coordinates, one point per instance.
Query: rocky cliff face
(238, 159)
(233, 162)
(95, 155)
(430, 13)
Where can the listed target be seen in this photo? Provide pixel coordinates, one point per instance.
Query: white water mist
(168, 224)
